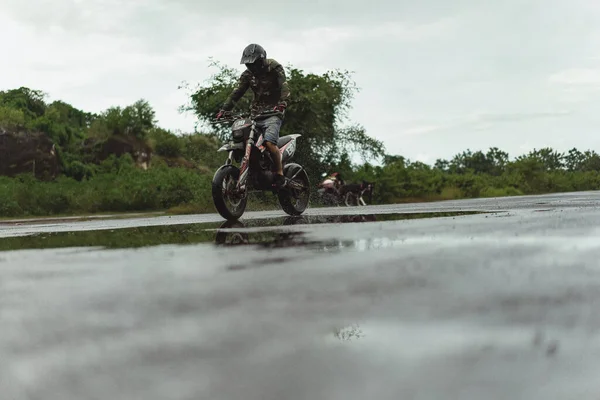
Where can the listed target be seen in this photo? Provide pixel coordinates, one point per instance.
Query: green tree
(591, 161)
(549, 159)
(574, 160)
(202, 149)
(62, 122)
(30, 102)
(442, 165)
(136, 120)
(391, 159)
(498, 161)
(165, 143)
(11, 118)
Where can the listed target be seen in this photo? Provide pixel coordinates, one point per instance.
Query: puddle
(280, 232)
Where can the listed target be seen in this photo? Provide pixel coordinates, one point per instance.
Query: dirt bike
(328, 193)
(231, 185)
(331, 197)
(348, 194)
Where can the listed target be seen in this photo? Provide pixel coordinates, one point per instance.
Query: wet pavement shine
(484, 299)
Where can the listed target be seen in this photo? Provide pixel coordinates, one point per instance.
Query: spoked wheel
(229, 204)
(231, 238)
(295, 197)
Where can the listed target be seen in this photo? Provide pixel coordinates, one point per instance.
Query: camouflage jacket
(269, 90)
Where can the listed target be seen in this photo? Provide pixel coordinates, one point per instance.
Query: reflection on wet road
(197, 233)
(495, 305)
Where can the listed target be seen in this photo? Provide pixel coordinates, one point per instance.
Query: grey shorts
(270, 128)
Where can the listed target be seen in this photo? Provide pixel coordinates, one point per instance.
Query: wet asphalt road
(561, 200)
(491, 306)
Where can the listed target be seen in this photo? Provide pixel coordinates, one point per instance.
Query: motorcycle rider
(266, 77)
(338, 182)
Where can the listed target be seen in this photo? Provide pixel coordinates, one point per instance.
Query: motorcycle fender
(222, 167)
(293, 166)
(290, 148)
(232, 146)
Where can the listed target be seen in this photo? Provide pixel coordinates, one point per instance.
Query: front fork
(244, 167)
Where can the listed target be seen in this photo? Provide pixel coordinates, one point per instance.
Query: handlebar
(253, 115)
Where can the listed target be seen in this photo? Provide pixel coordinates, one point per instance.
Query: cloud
(418, 130)
(577, 76)
(482, 121)
(516, 117)
(388, 31)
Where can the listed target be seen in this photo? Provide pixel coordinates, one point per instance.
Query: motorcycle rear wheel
(295, 201)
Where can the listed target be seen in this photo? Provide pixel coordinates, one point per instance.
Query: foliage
(26, 109)
(11, 119)
(71, 129)
(202, 149)
(479, 174)
(165, 143)
(135, 120)
(117, 187)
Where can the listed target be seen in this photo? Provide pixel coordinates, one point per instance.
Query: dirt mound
(26, 152)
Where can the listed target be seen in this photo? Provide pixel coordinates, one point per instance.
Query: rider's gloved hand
(220, 114)
(279, 107)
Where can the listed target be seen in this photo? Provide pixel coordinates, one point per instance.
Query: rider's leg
(272, 126)
(276, 156)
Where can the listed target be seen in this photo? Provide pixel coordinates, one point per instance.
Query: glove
(279, 107)
(221, 114)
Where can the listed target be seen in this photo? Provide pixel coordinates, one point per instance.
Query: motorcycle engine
(265, 178)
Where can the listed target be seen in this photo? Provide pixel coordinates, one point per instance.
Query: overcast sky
(436, 76)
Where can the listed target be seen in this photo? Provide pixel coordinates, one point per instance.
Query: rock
(28, 152)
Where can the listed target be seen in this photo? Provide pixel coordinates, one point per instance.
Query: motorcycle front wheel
(229, 204)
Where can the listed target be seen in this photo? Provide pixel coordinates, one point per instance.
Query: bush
(451, 193)
(165, 143)
(500, 192)
(169, 147)
(122, 189)
(79, 171)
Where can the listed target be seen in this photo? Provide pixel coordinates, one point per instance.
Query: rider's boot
(279, 181)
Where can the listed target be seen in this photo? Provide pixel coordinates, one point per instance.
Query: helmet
(253, 52)
(255, 58)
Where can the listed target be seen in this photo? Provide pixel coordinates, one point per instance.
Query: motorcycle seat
(283, 141)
